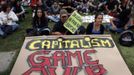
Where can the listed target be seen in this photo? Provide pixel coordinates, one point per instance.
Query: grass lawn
(126, 52)
(14, 42)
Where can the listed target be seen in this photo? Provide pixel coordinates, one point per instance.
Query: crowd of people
(58, 11)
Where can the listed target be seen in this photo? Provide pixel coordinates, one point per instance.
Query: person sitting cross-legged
(96, 27)
(8, 20)
(59, 28)
(121, 22)
(39, 23)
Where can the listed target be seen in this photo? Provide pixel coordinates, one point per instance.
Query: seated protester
(41, 4)
(121, 22)
(101, 5)
(111, 7)
(25, 3)
(67, 5)
(85, 6)
(59, 29)
(18, 9)
(125, 4)
(75, 3)
(92, 6)
(55, 9)
(49, 3)
(8, 19)
(96, 27)
(33, 4)
(39, 23)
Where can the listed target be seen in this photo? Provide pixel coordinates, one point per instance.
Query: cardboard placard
(73, 22)
(70, 55)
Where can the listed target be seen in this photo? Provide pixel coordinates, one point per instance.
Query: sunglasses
(63, 16)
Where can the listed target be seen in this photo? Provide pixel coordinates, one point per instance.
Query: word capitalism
(69, 43)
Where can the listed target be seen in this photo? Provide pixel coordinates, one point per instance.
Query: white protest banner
(70, 55)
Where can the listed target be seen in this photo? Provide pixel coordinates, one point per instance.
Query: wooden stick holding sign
(73, 22)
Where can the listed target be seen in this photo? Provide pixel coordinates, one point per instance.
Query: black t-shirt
(60, 28)
(123, 7)
(90, 28)
(123, 17)
(40, 24)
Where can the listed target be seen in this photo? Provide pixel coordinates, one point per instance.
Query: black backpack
(126, 38)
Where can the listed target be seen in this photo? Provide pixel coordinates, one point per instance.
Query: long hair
(97, 14)
(5, 6)
(42, 19)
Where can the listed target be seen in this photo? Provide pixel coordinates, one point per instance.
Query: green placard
(73, 22)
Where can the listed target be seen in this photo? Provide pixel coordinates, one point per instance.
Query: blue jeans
(1, 32)
(55, 18)
(110, 28)
(14, 27)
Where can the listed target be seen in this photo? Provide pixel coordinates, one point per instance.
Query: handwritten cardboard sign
(73, 22)
(70, 55)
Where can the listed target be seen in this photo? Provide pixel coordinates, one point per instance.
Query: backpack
(126, 38)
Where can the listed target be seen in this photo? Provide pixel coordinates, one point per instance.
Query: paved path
(5, 60)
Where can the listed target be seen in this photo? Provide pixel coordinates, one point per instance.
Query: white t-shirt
(4, 18)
